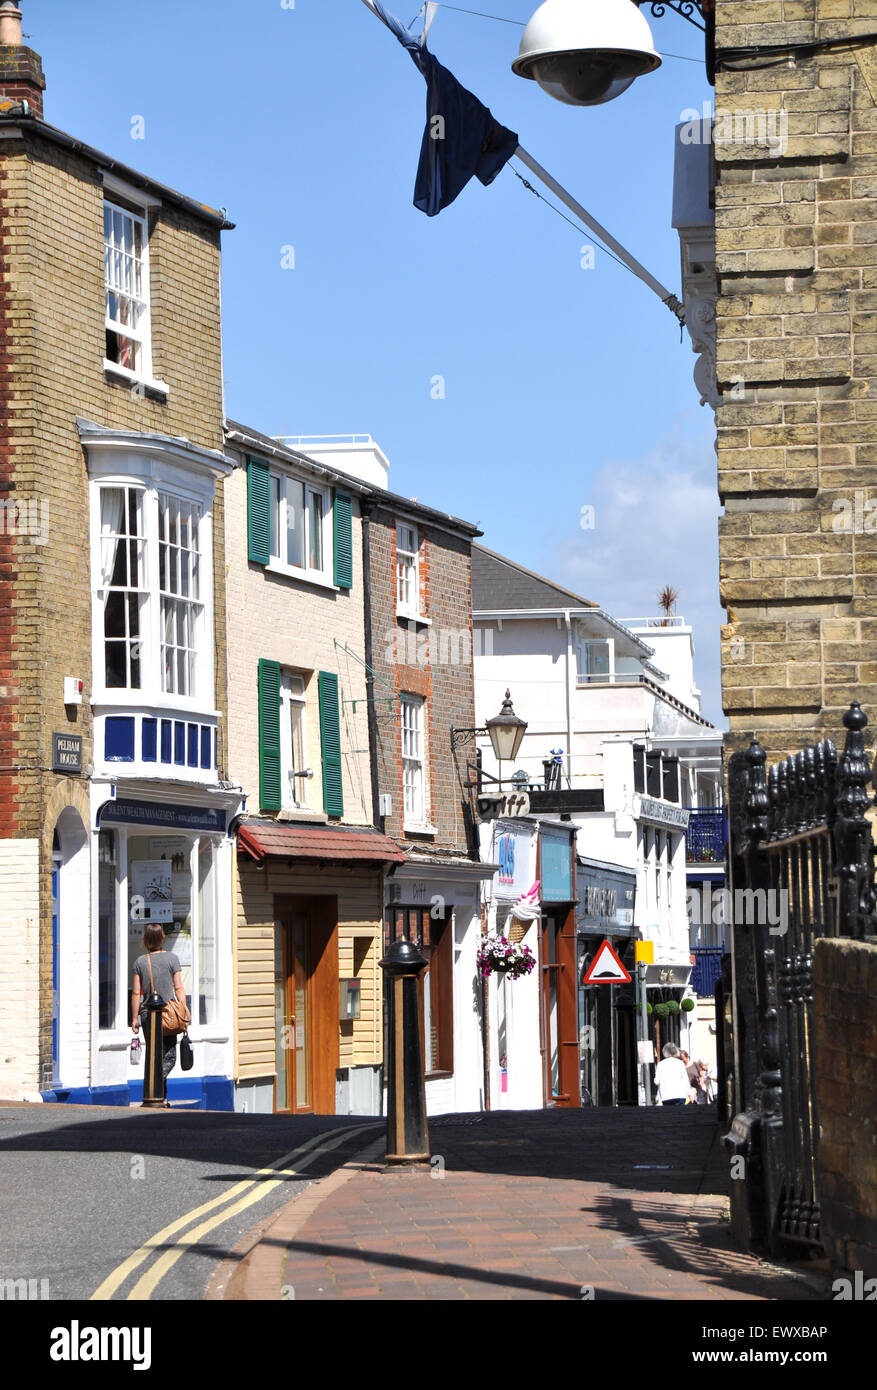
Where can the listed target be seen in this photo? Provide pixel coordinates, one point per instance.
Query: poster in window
(151, 891)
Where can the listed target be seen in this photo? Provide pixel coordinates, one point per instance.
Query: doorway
(306, 1005)
(559, 1010)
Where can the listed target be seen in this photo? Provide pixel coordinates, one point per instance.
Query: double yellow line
(244, 1194)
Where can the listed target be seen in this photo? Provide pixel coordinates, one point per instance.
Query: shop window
(168, 881)
(107, 870)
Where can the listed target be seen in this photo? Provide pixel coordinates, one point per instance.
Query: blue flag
(461, 138)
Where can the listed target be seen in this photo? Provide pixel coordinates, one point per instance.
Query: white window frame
(584, 647)
(294, 790)
(119, 1026)
(414, 705)
(279, 485)
(117, 201)
(151, 482)
(407, 570)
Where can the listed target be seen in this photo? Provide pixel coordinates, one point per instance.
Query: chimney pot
(10, 25)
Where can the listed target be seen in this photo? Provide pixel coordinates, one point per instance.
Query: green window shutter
(269, 736)
(258, 510)
(343, 529)
(330, 737)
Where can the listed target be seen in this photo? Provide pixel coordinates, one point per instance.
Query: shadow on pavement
(211, 1137)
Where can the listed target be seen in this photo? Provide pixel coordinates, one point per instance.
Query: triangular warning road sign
(606, 968)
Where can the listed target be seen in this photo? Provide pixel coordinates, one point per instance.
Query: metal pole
(591, 222)
(644, 1021)
(612, 1046)
(407, 1135)
(154, 1086)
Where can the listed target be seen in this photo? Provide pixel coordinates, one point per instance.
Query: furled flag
(461, 136)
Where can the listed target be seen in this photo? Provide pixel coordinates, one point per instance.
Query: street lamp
(506, 733)
(585, 52)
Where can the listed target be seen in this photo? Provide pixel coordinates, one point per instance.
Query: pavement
(559, 1204)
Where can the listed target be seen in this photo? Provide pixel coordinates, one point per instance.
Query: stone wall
(845, 1078)
(796, 257)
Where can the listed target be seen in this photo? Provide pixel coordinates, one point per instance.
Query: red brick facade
(431, 660)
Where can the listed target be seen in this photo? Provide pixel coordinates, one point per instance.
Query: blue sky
(564, 387)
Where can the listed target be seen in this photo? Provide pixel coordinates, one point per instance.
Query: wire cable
(576, 225)
(522, 24)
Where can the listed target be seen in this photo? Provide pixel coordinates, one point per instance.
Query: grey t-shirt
(164, 965)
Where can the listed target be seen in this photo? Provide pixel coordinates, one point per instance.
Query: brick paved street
(626, 1204)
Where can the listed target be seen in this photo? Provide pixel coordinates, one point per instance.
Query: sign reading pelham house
(67, 753)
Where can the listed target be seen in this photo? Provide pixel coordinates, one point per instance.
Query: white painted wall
(19, 968)
(74, 951)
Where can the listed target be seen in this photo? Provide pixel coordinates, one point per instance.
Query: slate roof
(499, 583)
(264, 839)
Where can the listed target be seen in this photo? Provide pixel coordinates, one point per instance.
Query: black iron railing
(803, 860)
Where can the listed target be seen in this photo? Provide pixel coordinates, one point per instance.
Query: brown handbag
(175, 1017)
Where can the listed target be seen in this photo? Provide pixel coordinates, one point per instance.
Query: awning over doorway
(266, 839)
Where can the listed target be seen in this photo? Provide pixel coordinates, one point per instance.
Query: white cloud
(655, 523)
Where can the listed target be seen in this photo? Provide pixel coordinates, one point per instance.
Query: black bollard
(154, 1087)
(407, 1136)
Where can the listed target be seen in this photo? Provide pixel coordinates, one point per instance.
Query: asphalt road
(84, 1188)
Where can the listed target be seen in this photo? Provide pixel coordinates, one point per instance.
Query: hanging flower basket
(498, 956)
(673, 1007)
(687, 1005)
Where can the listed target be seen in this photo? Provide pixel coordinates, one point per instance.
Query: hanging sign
(606, 968)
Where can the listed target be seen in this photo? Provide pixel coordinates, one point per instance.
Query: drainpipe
(568, 621)
(366, 506)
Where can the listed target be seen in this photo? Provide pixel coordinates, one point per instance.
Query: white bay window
(151, 502)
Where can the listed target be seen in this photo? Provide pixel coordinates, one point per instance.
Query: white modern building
(617, 746)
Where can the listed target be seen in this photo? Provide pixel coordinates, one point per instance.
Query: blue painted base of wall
(200, 1092)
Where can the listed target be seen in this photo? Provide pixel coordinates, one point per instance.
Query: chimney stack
(21, 70)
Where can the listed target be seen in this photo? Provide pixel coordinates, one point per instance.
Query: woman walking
(671, 1077)
(158, 969)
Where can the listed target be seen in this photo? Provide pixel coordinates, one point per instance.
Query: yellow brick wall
(51, 212)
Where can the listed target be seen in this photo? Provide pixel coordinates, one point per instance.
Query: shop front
(308, 983)
(436, 905)
(514, 1046)
(145, 862)
(607, 1012)
(561, 1082)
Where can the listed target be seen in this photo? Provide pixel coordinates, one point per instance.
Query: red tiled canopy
(262, 840)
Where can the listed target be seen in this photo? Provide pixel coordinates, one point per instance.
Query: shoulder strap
(149, 964)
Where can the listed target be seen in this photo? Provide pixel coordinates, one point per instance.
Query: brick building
(796, 262)
(419, 658)
(113, 810)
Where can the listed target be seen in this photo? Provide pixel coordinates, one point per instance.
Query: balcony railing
(706, 837)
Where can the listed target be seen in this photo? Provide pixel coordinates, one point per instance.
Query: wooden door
(306, 1004)
(560, 1041)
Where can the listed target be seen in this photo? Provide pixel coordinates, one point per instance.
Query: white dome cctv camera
(585, 52)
